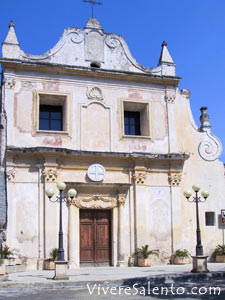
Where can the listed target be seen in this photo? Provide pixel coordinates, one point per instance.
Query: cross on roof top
(93, 2)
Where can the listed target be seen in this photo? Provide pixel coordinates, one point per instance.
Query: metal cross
(92, 2)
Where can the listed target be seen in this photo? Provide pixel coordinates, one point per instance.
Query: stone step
(15, 269)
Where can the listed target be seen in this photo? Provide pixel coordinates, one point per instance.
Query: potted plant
(220, 253)
(49, 264)
(143, 254)
(5, 254)
(180, 257)
(2, 268)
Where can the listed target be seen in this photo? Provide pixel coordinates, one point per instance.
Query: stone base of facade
(61, 270)
(199, 264)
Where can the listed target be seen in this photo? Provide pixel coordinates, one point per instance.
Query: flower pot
(49, 265)
(2, 270)
(180, 260)
(144, 262)
(220, 258)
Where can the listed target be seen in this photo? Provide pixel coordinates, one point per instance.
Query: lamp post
(199, 248)
(61, 186)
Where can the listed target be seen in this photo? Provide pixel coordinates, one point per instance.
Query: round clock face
(96, 172)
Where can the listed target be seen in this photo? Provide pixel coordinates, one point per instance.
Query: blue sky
(193, 29)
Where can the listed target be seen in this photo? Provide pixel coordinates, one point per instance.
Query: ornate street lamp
(198, 266)
(197, 199)
(71, 193)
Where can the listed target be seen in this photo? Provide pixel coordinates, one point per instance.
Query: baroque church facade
(123, 135)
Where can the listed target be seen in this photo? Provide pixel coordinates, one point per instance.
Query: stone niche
(95, 127)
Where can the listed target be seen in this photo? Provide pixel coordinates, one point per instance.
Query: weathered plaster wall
(92, 125)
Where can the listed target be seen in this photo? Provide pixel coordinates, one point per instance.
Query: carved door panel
(95, 237)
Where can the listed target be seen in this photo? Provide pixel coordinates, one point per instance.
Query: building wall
(145, 175)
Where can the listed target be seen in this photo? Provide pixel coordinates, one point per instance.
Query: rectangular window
(50, 117)
(136, 119)
(132, 123)
(210, 218)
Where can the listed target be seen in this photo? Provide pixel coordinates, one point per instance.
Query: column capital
(139, 177)
(175, 179)
(121, 199)
(170, 98)
(50, 174)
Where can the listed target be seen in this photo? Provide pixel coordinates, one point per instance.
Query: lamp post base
(61, 270)
(199, 264)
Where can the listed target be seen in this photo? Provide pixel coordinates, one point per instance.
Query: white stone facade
(94, 78)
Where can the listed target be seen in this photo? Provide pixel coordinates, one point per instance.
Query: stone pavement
(103, 275)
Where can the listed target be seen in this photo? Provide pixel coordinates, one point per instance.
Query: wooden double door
(95, 237)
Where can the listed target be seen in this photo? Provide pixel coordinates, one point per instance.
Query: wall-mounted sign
(96, 172)
(223, 216)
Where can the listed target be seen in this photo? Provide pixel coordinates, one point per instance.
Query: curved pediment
(90, 47)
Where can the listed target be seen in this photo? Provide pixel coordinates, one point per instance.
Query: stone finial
(93, 23)
(186, 93)
(10, 47)
(11, 36)
(165, 56)
(11, 24)
(204, 119)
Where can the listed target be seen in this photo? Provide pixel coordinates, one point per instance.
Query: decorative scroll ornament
(77, 37)
(139, 178)
(112, 42)
(10, 83)
(170, 98)
(96, 202)
(175, 179)
(210, 148)
(50, 175)
(95, 94)
(11, 174)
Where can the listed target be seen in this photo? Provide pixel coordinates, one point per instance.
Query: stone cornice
(88, 72)
(64, 151)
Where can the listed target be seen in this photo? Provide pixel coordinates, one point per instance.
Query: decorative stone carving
(210, 148)
(50, 175)
(11, 174)
(170, 98)
(204, 119)
(96, 172)
(175, 179)
(186, 93)
(139, 178)
(96, 202)
(27, 84)
(77, 37)
(95, 94)
(121, 200)
(10, 83)
(112, 41)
